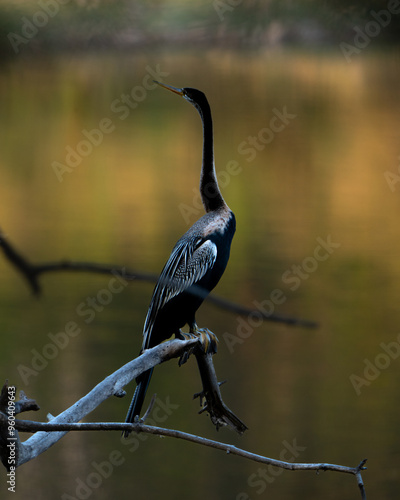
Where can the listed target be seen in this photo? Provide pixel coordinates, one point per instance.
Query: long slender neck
(209, 190)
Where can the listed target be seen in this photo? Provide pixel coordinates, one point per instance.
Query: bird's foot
(207, 339)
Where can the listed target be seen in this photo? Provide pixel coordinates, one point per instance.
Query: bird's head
(194, 96)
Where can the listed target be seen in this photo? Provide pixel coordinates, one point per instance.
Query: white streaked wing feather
(187, 264)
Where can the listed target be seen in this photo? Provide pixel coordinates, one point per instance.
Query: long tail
(135, 407)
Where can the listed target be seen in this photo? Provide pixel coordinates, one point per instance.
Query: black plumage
(196, 263)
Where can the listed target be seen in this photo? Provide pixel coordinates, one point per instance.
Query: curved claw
(208, 341)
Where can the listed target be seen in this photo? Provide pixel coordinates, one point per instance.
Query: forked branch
(111, 386)
(48, 433)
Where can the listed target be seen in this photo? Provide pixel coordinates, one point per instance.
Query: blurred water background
(307, 149)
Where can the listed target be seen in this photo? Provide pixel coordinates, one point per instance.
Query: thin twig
(31, 426)
(31, 273)
(246, 311)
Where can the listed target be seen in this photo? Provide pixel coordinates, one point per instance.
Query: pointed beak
(168, 87)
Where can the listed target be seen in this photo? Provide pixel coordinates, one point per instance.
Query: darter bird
(196, 264)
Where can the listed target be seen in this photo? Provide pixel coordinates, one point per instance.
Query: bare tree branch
(32, 272)
(47, 434)
(113, 386)
(30, 426)
(20, 263)
(220, 414)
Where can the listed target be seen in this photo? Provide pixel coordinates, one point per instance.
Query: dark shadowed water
(98, 165)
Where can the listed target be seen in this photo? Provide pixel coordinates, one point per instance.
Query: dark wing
(188, 263)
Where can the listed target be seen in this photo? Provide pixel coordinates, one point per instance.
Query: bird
(195, 265)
